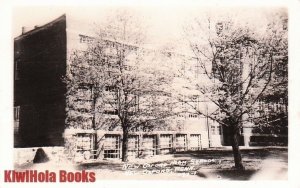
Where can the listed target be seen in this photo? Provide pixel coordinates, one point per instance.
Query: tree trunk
(236, 150)
(94, 124)
(125, 145)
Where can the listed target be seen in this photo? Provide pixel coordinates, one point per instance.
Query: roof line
(62, 17)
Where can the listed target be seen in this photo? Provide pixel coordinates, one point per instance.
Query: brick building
(40, 63)
(39, 93)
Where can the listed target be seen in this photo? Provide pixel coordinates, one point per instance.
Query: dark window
(17, 113)
(16, 118)
(17, 74)
(85, 39)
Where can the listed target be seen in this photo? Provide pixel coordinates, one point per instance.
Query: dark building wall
(40, 64)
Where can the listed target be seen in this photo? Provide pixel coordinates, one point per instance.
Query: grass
(204, 164)
(261, 163)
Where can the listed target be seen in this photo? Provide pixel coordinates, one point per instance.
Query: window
(219, 27)
(112, 146)
(181, 115)
(16, 118)
(260, 105)
(17, 113)
(281, 101)
(110, 88)
(84, 141)
(16, 76)
(133, 145)
(195, 142)
(85, 39)
(213, 129)
(193, 115)
(276, 106)
(166, 143)
(216, 130)
(84, 145)
(128, 68)
(110, 107)
(111, 111)
(84, 94)
(219, 130)
(149, 145)
(194, 98)
(180, 142)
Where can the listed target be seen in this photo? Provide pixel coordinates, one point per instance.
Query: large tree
(238, 63)
(127, 85)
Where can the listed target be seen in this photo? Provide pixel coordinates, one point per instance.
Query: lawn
(263, 163)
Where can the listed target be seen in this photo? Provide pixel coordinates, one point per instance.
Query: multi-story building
(41, 60)
(252, 62)
(39, 93)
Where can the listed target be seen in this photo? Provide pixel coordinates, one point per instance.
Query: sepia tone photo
(194, 93)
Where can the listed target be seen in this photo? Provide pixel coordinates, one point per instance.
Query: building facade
(42, 106)
(39, 93)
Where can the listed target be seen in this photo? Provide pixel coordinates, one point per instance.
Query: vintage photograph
(150, 93)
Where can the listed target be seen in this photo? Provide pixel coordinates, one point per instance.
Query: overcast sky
(161, 21)
(164, 23)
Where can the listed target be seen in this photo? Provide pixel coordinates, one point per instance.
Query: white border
(6, 92)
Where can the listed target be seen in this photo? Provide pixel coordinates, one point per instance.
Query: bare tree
(238, 64)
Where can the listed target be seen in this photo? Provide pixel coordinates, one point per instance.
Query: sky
(160, 21)
(164, 24)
